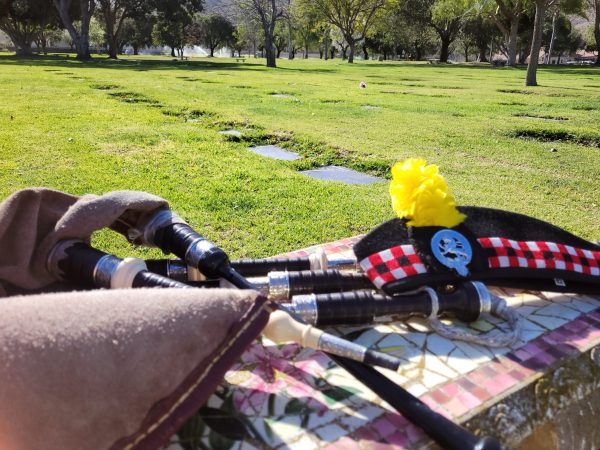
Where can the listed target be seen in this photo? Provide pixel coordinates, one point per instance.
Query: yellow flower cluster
(421, 195)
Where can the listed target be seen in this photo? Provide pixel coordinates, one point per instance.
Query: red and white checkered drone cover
(392, 264)
(505, 253)
(402, 261)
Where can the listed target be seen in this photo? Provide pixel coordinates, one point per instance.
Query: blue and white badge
(453, 250)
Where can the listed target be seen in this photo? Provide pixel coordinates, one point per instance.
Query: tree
(561, 36)
(268, 13)
(541, 6)
(173, 18)
(447, 18)
(137, 32)
(212, 30)
(26, 21)
(246, 34)
(306, 23)
(80, 36)
(507, 16)
(595, 5)
(480, 32)
(113, 14)
(352, 17)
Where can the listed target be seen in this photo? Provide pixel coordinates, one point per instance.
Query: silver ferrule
(261, 284)
(338, 346)
(279, 286)
(485, 297)
(177, 270)
(343, 264)
(197, 251)
(306, 307)
(105, 269)
(145, 234)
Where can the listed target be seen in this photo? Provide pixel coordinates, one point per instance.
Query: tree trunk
(306, 52)
(551, 46)
(270, 51)
(351, 54)
(81, 38)
(536, 43)
(482, 56)
(512, 42)
(212, 52)
(597, 30)
(173, 52)
(21, 40)
(445, 50)
(327, 48)
(135, 49)
(290, 46)
(466, 53)
(365, 52)
(113, 46)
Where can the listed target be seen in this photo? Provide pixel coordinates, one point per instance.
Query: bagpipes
(77, 262)
(430, 261)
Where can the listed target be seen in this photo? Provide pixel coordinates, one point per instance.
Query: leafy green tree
(353, 18)
(246, 35)
(113, 14)
(137, 32)
(268, 13)
(81, 11)
(212, 30)
(480, 32)
(561, 36)
(173, 18)
(541, 6)
(27, 21)
(446, 19)
(507, 16)
(305, 26)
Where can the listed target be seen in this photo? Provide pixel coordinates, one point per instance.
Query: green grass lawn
(151, 124)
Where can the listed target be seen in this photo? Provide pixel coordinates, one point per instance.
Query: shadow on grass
(69, 62)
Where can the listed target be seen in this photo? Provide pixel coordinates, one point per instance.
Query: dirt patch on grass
(134, 97)
(587, 140)
(540, 116)
(515, 91)
(585, 108)
(193, 115)
(105, 87)
(110, 148)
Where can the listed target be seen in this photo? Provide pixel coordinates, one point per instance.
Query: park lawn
(151, 123)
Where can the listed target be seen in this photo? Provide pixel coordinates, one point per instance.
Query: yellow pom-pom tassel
(420, 195)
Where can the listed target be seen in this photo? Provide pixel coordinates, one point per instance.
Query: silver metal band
(435, 302)
(197, 250)
(105, 269)
(337, 346)
(160, 218)
(485, 298)
(306, 307)
(343, 264)
(177, 270)
(279, 286)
